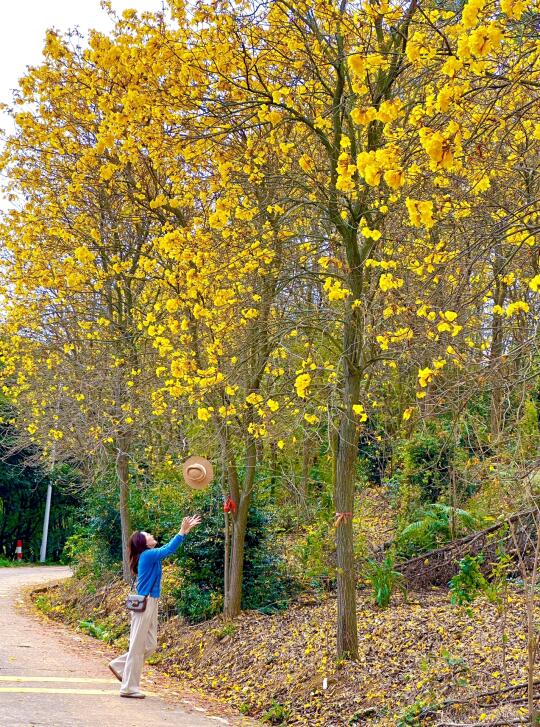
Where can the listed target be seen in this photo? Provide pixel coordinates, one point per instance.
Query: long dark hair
(137, 545)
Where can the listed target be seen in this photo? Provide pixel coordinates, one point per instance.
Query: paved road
(52, 678)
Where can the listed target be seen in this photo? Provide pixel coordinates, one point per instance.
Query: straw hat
(198, 472)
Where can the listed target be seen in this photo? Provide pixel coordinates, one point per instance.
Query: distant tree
(23, 488)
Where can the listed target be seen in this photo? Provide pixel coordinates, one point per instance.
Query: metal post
(43, 551)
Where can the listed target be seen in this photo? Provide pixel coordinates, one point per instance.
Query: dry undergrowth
(416, 656)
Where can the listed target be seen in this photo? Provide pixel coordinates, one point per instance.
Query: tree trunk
(122, 474)
(226, 560)
(273, 468)
(308, 458)
(235, 566)
(234, 555)
(497, 346)
(495, 409)
(347, 450)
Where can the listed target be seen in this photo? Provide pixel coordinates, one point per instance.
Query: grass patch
(96, 630)
(43, 603)
(277, 714)
(7, 563)
(223, 631)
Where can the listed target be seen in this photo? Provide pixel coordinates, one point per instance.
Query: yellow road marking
(45, 690)
(93, 680)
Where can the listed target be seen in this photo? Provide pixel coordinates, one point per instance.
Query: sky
(22, 33)
(23, 24)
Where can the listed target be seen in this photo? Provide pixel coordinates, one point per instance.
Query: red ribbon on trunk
(229, 505)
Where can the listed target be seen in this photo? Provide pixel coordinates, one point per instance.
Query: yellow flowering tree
(76, 274)
(374, 112)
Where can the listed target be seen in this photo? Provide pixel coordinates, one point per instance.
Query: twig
(522, 685)
(482, 724)
(516, 700)
(475, 697)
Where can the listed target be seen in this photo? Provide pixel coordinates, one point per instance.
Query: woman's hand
(188, 523)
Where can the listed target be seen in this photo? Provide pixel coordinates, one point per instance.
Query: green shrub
(528, 434)
(266, 585)
(96, 544)
(433, 526)
(313, 553)
(196, 603)
(427, 457)
(228, 629)
(277, 714)
(469, 581)
(416, 713)
(383, 579)
(43, 603)
(95, 630)
(87, 553)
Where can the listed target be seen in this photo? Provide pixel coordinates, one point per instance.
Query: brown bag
(136, 602)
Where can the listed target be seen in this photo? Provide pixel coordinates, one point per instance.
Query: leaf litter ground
(422, 660)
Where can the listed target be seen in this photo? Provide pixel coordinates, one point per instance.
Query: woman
(145, 562)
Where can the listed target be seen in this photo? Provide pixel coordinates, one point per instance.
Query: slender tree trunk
(453, 501)
(497, 346)
(241, 496)
(273, 468)
(235, 572)
(347, 450)
(308, 458)
(495, 409)
(122, 474)
(226, 562)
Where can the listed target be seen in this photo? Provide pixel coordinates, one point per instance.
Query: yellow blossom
(203, 414)
(302, 384)
(360, 412)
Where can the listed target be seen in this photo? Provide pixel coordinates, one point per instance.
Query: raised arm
(165, 550)
(172, 546)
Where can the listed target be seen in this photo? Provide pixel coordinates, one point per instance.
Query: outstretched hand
(188, 523)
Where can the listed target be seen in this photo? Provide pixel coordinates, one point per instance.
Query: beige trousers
(142, 643)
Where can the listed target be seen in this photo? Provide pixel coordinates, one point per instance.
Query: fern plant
(433, 526)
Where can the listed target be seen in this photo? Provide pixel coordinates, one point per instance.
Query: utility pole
(44, 537)
(43, 551)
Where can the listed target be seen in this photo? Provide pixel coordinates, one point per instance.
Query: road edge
(166, 687)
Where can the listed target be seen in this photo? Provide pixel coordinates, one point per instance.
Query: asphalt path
(51, 677)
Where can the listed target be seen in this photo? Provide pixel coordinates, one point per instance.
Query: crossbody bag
(136, 602)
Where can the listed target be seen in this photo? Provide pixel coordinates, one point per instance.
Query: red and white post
(18, 550)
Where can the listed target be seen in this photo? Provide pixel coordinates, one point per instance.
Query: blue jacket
(149, 575)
